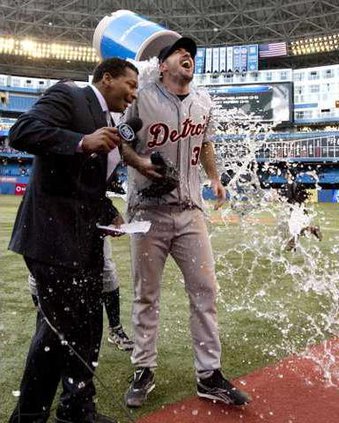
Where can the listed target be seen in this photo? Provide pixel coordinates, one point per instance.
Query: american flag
(272, 50)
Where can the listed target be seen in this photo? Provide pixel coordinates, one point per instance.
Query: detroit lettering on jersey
(161, 132)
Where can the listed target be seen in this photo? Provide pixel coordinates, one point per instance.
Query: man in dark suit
(72, 137)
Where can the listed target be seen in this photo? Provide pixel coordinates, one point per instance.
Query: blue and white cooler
(127, 35)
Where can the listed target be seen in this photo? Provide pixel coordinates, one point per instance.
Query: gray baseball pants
(183, 234)
(110, 275)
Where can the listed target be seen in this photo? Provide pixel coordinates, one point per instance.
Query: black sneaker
(118, 337)
(95, 418)
(141, 386)
(100, 418)
(216, 387)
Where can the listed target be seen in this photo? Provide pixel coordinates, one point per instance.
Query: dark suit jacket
(56, 221)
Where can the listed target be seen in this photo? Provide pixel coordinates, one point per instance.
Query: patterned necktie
(108, 119)
(113, 157)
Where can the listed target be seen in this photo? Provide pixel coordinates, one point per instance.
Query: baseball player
(176, 124)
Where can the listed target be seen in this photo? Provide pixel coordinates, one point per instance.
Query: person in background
(299, 222)
(111, 297)
(176, 127)
(71, 133)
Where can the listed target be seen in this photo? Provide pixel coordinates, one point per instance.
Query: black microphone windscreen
(128, 130)
(135, 123)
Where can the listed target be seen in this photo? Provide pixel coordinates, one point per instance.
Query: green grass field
(271, 303)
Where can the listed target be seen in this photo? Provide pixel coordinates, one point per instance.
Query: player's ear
(162, 67)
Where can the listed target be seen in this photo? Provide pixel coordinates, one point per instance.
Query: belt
(173, 208)
(170, 208)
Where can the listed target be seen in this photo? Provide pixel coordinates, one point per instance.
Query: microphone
(127, 131)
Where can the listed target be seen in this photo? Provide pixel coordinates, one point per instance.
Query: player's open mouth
(186, 64)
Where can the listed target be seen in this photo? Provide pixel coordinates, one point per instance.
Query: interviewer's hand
(117, 221)
(103, 140)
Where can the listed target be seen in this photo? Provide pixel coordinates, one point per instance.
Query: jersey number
(195, 155)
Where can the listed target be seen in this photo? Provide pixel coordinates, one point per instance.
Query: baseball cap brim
(186, 43)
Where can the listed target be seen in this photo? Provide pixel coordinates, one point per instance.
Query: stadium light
(41, 50)
(312, 45)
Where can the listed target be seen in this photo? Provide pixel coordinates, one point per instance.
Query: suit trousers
(184, 235)
(65, 346)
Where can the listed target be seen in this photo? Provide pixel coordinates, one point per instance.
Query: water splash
(295, 293)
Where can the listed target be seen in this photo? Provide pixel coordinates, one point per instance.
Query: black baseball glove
(170, 179)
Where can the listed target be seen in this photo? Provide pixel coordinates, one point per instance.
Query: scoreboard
(256, 102)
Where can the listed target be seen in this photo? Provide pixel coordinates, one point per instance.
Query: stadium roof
(208, 22)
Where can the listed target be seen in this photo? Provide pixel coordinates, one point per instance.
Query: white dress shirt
(113, 157)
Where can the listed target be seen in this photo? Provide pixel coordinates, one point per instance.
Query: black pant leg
(77, 375)
(71, 305)
(42, 365)
(112, 305)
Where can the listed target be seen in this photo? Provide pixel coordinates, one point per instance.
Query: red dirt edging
(292, 391)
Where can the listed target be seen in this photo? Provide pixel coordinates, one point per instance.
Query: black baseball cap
(184, 42)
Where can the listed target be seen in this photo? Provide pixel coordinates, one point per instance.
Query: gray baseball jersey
(177, 130)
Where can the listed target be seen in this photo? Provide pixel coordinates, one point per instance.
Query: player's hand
(103, 140)
(219, 191)
(148, 169)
